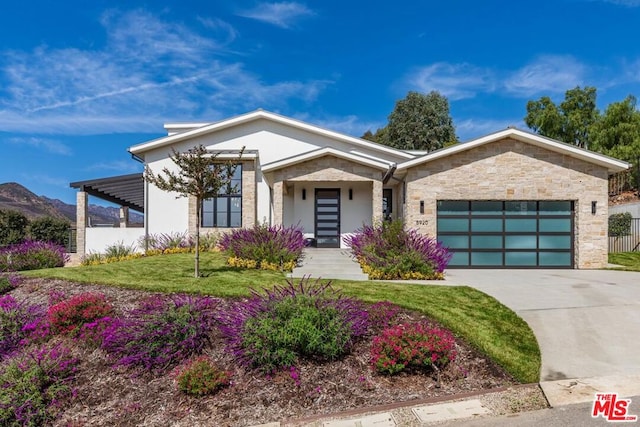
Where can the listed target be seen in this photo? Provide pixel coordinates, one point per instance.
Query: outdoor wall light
(421, 206)
(593, 207)
(304, 194)
(350, 194)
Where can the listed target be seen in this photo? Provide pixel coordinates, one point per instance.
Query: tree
(49, 229)
(199, 175)
(13, 227)
(421, 122)
(570, 122)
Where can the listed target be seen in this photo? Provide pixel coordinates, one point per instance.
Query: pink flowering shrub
(200, 377)
(412, 346)
(67, 317)
(32, 255)
(18, 320)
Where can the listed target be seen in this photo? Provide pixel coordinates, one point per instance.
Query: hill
(16, 197)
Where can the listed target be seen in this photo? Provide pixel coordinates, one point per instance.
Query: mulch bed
(107, 397)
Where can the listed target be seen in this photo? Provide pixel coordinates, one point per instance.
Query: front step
(329, 263)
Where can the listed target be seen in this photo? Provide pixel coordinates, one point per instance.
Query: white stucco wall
(98, 238)
(632, 208)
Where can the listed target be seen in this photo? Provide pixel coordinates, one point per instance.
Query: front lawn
(478, 318)
(630, 260)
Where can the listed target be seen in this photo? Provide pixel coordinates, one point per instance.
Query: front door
(327, 217)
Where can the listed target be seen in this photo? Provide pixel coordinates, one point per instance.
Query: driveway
(587, 322)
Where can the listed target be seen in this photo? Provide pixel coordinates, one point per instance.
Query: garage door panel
(510, 234)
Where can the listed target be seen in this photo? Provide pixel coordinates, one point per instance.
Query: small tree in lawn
(200, 175)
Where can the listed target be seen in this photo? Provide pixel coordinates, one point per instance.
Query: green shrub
(8, 281)
(201, 377)
(35, 386)
(13, 227)
(49, 229)
(92, 258)
(119, 250)
(31, 255)
(620, 224)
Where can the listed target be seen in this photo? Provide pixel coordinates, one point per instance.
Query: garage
(507, 233)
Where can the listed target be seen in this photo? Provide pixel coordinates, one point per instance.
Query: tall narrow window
(387, 203)
(225, 211)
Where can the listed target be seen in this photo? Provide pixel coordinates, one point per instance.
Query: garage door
(507, 234)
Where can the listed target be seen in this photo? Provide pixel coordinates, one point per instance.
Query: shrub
(8, 282)
(17, 322)
(49, 229)
(159, 243)
(92, 258)
(388, 251)
(31, 255)
(412, 346)
(201, 377)
(380, 314)
(67, 317)
(620, 224)
(271, 330)
(162, 332)
(13, 227)
(35, 386)
(266, 245)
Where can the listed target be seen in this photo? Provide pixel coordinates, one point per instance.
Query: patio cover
(124, 190)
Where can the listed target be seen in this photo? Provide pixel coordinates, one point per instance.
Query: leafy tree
(569, 122)
(199, 175)
(421, 122)
(13, 227)
(418, 122)
(49, 229)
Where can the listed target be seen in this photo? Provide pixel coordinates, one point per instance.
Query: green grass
(478, 318)
(629, 260)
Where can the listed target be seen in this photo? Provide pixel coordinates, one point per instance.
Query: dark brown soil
(107, 397)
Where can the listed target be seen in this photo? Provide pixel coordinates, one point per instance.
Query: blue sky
(81, 81)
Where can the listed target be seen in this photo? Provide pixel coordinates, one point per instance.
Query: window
(225, 211)
(387, 203)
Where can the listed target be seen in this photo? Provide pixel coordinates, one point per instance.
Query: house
(509, 199)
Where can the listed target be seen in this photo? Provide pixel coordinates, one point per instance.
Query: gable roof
(326, 151)
(266, 115)
(612, 165)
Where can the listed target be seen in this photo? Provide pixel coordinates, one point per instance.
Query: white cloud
(547, 74)
(455, 81)
(119, 166)
(628, 3)
(148, 71)
(283, 14)
(50, 145)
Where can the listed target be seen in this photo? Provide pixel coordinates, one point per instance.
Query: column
(376, 201)
(81, 222)
(124, 216)
(278, 203)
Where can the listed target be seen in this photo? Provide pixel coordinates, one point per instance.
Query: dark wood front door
(327, 217)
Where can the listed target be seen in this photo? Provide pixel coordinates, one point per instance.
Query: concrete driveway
(587, 322)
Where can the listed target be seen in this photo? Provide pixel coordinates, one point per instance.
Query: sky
(82, 81)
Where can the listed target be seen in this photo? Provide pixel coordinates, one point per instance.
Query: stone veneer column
(376, 201)
(192, 221)
(278, 203)
(81, 222)
(124, 216)
(249, 202)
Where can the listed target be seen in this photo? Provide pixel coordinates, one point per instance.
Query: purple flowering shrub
(416, 346)
(200, 377)
(35, 386)
(389, 251)
(8, 282)
(32, 255)
(271, 330)
(18, 321)
(264, 246)
(161, 332)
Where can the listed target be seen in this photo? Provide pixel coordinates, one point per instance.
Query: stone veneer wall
(514, 170)
(249, 199)
(327, 168)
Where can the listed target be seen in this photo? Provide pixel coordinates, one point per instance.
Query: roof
(124, 190)
(612, 165)
(326, 151)
(266, 115)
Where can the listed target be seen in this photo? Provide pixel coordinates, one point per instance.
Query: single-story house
(511, 199)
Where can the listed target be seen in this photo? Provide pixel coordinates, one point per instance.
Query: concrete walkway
(329, 263)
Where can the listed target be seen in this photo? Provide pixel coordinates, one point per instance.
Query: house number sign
(422, 222)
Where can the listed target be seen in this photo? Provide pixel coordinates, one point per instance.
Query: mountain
(16, 197)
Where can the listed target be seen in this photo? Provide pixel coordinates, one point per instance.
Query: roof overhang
(321, 152)
(266, 115)
(612, 165)
(123, 190)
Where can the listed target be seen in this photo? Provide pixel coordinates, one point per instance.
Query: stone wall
(514, 170)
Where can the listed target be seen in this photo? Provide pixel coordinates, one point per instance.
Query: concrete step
(329, 264)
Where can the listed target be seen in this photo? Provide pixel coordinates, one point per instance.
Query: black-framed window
(225, 211)
(387, 202)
